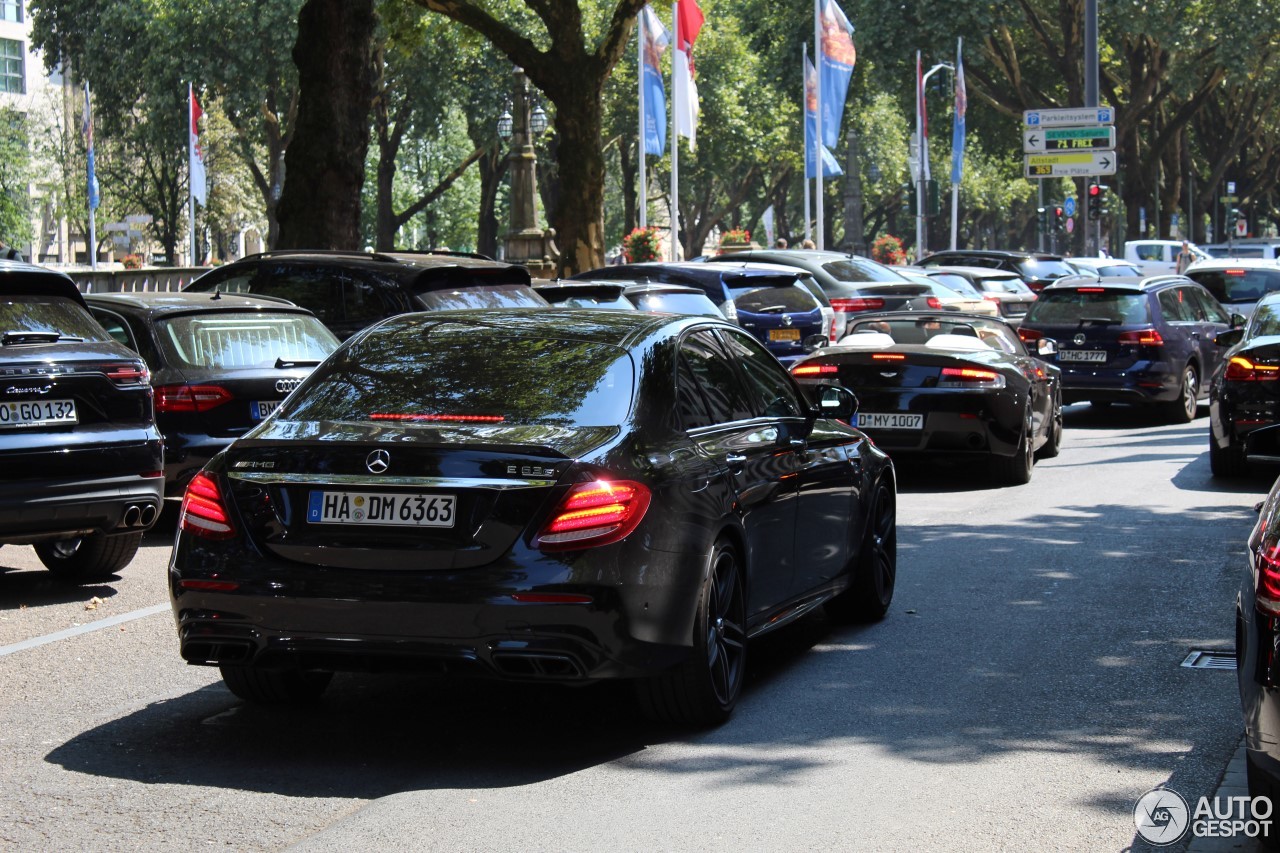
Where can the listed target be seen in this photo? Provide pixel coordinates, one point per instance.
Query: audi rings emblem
(284, 386)
(1078, 340)
(378, 462)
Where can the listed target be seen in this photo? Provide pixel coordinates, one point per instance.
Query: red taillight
(204, 513)
(191, 398)
(128, 374)
(814, 369)
(934, 302)
(1241, 369)
(550, 598)
(991, 297)
(969, 377)
(595, 514)
(210, 586)
(1233, 272)
(1091, 290)
(888, 356)
(856, 303)
(1141, 338)
(1267, 594)
(1029, 336)
(454, 419)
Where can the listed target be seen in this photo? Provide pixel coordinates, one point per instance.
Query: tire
(1053, 441)
(275, 687)
(869, 595)
(703, 690)
(1183, 409)
(88, 558)
(1015, 470)
(1225, 462)
(1261, 784)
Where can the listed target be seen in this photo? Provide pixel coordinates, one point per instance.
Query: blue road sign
(1069, 206)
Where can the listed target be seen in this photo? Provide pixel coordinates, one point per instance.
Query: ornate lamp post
(525, 243)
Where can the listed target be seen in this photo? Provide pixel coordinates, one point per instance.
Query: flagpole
(675, 136)
(804, 105)
(818, 215)
(955, 184)
(643, 203)
(920, 143)
(93, 228)
(191, 184)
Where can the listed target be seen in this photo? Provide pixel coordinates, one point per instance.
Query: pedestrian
(780, 243)
(1185, 258)
(808, 244)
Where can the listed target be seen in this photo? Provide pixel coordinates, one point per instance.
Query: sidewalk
(1233, 784)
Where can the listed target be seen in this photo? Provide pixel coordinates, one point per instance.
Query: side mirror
(1046, 346)
(1229, 338)
(836, 402)
(1238, 320)
(813, 343)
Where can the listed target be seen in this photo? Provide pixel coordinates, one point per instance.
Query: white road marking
(83, 629)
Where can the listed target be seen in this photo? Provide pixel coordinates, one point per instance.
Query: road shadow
(1120, 416)
(21, 588)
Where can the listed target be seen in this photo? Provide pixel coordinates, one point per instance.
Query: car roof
(405, 265)
(943, 316)
(162, 303)
(19, 277)
(786, 256)
(1006, 254)
(976, 272)
(707, 271)
(1235, 263)
(1125, 283)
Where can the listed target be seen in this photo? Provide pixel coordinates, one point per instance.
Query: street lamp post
(525, 243)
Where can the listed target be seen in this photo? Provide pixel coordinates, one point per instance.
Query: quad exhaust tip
(139, 515)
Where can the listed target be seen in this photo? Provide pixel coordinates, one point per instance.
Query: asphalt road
(1023, 692)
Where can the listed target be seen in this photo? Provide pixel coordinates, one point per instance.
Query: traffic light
(1095, 201)
(1042, 219)
(1057, 218)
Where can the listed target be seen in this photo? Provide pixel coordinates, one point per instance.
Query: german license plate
(1082, 355)
(400, 510)
(784, 334)
(262, 408)
(892, 420)
(35, 413)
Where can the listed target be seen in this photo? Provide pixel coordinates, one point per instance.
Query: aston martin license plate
(36, 413)
(401, 510)
(894, 420)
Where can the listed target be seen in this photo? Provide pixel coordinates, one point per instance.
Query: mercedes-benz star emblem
(378, 461)
(1078, 340)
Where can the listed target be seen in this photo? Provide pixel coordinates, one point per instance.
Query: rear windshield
(857, 270)
(437, 373)
(1238, 285)
(244, 341)
(677, 303)
(32, 313)
(991, 284)
(1042, 269)
(1237, 252)
(956, 283)
(792, 299)
(1076, 306)
(483, 296)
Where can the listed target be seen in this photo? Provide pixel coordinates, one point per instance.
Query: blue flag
(654, 40)
(830, 168)
(837, 56)
(957, 128)
(87, 129)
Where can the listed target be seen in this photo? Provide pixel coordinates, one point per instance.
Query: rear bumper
(1145, 382)
(954, 423)
(39, 510)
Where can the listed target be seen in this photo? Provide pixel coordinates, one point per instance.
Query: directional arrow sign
(1069, 139)
(1074, 165)
(1070, 117)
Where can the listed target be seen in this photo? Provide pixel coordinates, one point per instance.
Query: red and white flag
(199, 184)
(684, 92)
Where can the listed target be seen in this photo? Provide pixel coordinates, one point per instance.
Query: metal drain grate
(1210, 660)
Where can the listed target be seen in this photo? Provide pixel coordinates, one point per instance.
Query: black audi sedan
(1244, 394)
(562, 495)
(220, 364)
(946, 384)
(81, 460)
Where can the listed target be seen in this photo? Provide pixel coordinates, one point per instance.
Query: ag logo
(1161, 816)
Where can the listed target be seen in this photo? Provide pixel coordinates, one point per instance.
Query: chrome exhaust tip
(131, 516)
(148, 515)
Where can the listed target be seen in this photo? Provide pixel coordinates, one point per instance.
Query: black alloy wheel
(876, 572)
(1053, 437)
(275, 687)
(703, 690)
(1015, 470)
(87, 558)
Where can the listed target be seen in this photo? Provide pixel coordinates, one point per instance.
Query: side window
(362, 301)
(1210, 310)
(315, 290)
(726, 400)
(691, 409)
(773, 395)
(1150, 253)
(237, 282)
(1172, 306)
(116, 327)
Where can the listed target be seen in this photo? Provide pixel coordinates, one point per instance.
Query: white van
(1158, 257)
(1261, 248)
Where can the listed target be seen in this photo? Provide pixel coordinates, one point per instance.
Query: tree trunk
(630, 174)
(493, 166)
(320, 205)
(579, 215)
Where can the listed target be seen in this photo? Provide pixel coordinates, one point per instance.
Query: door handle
(735, 458)
(797, 444)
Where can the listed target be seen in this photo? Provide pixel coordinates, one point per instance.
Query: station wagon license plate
(1094, 355)
(784, 334)
(262, 408)
(401, 510)
(895, 420)
(37, 413)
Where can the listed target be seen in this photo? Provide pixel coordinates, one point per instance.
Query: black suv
(1144, 342)
(351, 290)
(81, 460)
(1038, 270)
